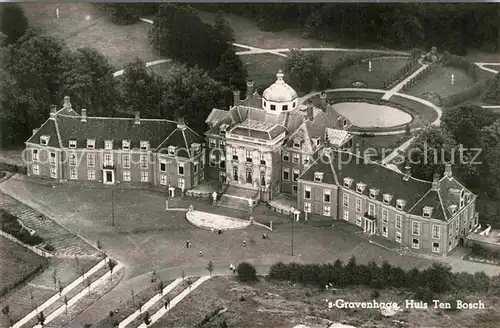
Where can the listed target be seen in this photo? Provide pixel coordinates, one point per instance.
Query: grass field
(17, 263)
(277, 305)
(81, 24)
(439, 82)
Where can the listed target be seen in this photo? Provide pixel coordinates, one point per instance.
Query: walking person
(188, 244)
(244, 243)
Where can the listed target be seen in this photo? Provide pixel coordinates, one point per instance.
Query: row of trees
(453, 26)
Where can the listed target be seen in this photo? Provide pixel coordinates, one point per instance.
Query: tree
(6, 312)
(41, 318)
(210, 267)
(160, 287)
(147, 318)
(66, 303)
(303, 68)
(77, 263)
(222, 26)
(54, 278)
(490, 170)
(121, 13)
(61, 287)
(111, 264)
(246, 272)
(231, 72)
(167, 301)
(13, 23)
(492, 95)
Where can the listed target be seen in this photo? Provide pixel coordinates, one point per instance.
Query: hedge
(11, 225)
(402, 73)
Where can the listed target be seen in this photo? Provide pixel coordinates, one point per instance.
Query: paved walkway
(207, 220)
(401, 84)
(396, 151)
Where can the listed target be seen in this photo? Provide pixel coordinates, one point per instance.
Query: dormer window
(297, 143)
(360, 187)
(318, 176)
(387, 198)
(284, 108)
(44, 140)
(344, 123)
(108, 144)
(462, 198)
(72, 143)
(273, 107)
(171, 150)
(400, 204)
(452, 209)
(144, 145)
(222, 144)
(126, 144)
(348, 182)
(90, 143)
(196, 147)
(316, 141)
(223, 129)
(427, 212)
(373, 193)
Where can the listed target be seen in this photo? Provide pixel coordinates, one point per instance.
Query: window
(144, 176)
(222, 162)
(305, 159)
(286, 156)
(180, 169)
(360, 187)
(326, 195)
(296, 158)
(235, 154)
(398, 221)
(385, 216)
(35, 169)
(195, 167)
(387, 198)
(295, 175)
(108, 144)
(144, 145)
(384, 231)
(358, 204)
(90, 143)
(371, 209)
(108, 160)
(346, 215)
(91, 174)
(73, 174)
(90, 160)
(126, 161)
(347, 182)
(326, 210)
(400, 204)
(294, 104)
(262, 159)
(307, 192)
(163, 165)
(296, 143)
(373, 193)
(286, 174)
(273, 107)
(72, 159)
(318, 176)
(44, 140)
(72, 144)
(345, 198)
(126, 175)
(415, 243)
(285, 107)
(171, 150)
(144, 161)
(415, 228)
(222, 144)
(307, 207)
(53, 172)
(457, 226)
(212, 143)
(294, 189)
(249, 156)
(52, 159)
(398, 237)
(345, 123)
(358, 220)
(436, 231)
(213, 160)
(34, 154)
(223, 129)
(450, 246)
(163, 179)
(126, 144)
(435, 247)
(265, 104)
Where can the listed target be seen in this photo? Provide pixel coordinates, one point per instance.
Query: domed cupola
(279, 97)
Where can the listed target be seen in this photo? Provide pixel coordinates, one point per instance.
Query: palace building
(266, 148)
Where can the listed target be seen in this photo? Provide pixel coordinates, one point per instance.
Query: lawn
(495, 67)
(81, 24)
(439, 82)
(273, 304)
(18, 264)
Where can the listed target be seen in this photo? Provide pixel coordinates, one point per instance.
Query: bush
(11, 225)
(246, 272)
(209, 317)
(49, 248)
(375, 294)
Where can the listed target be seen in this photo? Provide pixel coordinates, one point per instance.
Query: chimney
(67, 103)
(53, 110)
(447, 170)
(250, 88)
(34, 131)
(137, 119)
(236, 97)
(407, 173)
(84, 115)
(310, 111)
(181, 124)
(435, 182)
(322, 97)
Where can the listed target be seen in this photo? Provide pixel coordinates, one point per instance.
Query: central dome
(279, 91)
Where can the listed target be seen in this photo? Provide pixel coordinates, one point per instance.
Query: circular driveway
(366, 115)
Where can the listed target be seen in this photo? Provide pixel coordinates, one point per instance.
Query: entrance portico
(369, 225)
(108, 176)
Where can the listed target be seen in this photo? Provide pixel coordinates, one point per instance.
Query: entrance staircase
(239, 198)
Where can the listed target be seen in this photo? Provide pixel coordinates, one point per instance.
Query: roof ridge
(442, 206)
(186, 143)
(119, 118)
(418, 201)
(161, 143)
(58, 133)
